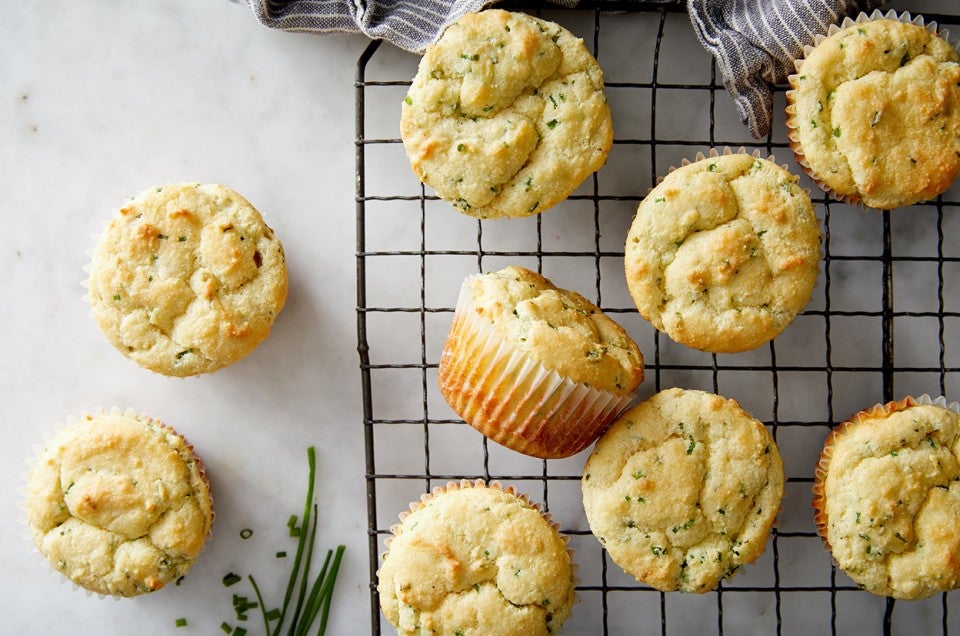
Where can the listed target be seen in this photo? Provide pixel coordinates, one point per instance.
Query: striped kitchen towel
(753, 41)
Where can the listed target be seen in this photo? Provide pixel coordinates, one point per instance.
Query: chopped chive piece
(226, 628)
(246, 533)
(408, 100)
(281, 554)
(116, 296)
(552, 124)
(273, 614)
(292, 521)
(181, 622)
(230, 579)
(239, 631)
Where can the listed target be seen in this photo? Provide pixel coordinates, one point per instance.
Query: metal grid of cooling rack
(880, 326)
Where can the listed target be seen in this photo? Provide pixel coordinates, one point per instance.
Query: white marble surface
(99, 100)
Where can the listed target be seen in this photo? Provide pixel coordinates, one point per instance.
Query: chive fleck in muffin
(534, 367)
(476, 559)
(187, 279)
(506, 115)
(723, 253)
(874, 112)
(119, 503)
(682, 490)
(887, 497)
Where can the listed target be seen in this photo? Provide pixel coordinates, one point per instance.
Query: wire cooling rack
(880, 326)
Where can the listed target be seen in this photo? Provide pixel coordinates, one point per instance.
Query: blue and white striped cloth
(753, 41)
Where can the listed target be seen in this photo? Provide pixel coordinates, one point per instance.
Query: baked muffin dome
(887, 498)
(476, 559)
(682, 490)
(119, 503)
(723, 253)
(874, 113)
(187, 279)
(506, 115)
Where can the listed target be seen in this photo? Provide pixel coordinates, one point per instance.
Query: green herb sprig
(303, 602)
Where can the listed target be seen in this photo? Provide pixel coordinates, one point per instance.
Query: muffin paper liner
(513, 399)
(38, 449)
(823, 463)
(792, 79)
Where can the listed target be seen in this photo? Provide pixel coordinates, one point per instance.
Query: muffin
(118, 503)
(682, 490)
(887, 497)
(723, 253)
(874, 112)
(187, 279)
(506, 115)
(476, 559)
(536, 368)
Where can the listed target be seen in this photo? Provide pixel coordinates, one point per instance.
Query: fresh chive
(298, 557)
(263, 612)
(313, 600)
(230, 579)
(246, 533)
(181, 622)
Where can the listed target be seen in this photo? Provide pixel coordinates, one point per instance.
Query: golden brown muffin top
(118, 503)
(187, 279)
(876, 113)
(683, 489)
(506, 115)
(476, 559)
(723, 253)
(888, 499)
(560, 329)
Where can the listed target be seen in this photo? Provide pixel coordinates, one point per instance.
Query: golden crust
(723, 253)
(887, 498)
(536, 368)
(506, 116)
(471, 558)
(119, 504)
(683, 489)
(874, 113)
(187, 279)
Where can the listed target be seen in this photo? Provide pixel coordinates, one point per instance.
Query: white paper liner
(791, 122)
(513, 399)
(823, 462)
(425, 499)
(48, 437)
